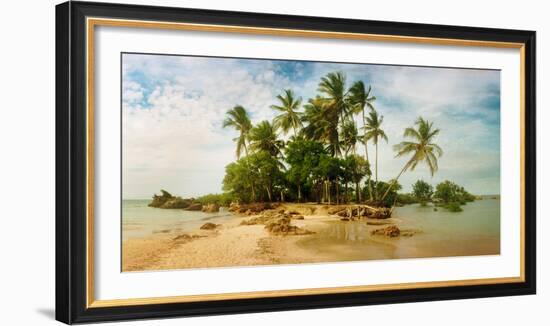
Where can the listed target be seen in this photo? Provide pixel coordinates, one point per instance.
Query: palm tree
(349, 136)
(289, 117)
(319, 127)
(359, 99)
(238, 118)
(422, 147)
(335, 105)
(263, 137)
(374, 132)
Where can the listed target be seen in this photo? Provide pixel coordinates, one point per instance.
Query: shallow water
(475, 231)
(139, 220)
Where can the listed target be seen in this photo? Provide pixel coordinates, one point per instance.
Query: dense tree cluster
(320, 161)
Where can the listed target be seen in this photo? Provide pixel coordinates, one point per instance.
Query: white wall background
(27, 161)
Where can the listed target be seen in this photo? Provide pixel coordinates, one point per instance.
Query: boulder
(282, 226)
(177, 202)
(211, 208)
(391, 231)
(209, 226)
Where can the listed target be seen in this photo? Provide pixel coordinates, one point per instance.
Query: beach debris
(391, 231)
(194, 207)
(358, 212)
(209, 226)
(211, 208)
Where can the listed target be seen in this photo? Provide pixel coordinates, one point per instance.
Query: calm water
(139, 220)
(475, 231)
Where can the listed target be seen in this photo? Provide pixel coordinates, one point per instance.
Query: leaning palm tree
(238, 119)
(263, 137)
(422, 147)
(374, 132)
(289, 117)
(335, 105)
(360, 98)
(349, 136)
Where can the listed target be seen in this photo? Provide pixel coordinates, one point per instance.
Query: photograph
(250, 161)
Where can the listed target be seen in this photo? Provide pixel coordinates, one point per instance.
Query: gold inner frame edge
(91, 22)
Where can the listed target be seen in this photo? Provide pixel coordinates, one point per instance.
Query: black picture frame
(71, 158)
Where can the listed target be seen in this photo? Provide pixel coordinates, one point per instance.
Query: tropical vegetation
(311, 151)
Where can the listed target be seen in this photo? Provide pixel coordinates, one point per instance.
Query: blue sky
(173, 107)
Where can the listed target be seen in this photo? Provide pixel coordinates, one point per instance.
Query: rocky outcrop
(278, 222)
(166, 200)
(391, 231)
(211, 208)
(282, 226)
(209, 226)
(250, 209)
(194, 207)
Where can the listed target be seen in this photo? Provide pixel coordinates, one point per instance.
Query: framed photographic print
(213, 162)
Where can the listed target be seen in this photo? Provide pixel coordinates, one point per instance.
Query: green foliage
(381, 186)
(302, 157)
(263, 137)
(260, 171)
(450, 194)
(422, 191)
(406, 199)
(453, 207)
(223, 199)
(448, 191)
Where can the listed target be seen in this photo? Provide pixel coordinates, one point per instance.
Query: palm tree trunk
(376, 169)
(299, 192)
(249, 179)
(268, 193)
(395, 180)
(366, 152)
(357, 192)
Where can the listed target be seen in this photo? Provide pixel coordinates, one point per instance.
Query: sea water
(140, 220)
(437, 232)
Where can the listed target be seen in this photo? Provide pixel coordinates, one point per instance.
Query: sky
(173, 108)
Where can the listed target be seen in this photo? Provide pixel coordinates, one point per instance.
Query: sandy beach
(231, 243)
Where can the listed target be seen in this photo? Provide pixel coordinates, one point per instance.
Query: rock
(177, 202)
(391, 231)
(345, 219)
(194, 207)
(211, 208)
(166, 200)
(209, 226)
(158, 201)
(282, 226)
(234, 207)
(251, 209)
(297, 217)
